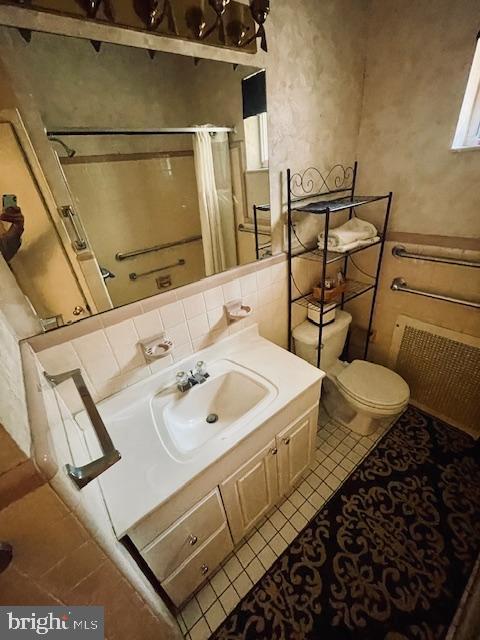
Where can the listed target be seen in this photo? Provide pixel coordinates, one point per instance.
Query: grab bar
(158, 247)
(400, 252)
(79, 243)
(81, 476)
(135, 276)
(399, 284)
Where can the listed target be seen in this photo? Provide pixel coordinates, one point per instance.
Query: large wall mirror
(164, 159)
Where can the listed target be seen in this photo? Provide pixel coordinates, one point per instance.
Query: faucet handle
(201, 368)
(183, 380)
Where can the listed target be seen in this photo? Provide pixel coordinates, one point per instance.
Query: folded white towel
(352, 231)
(353, 245)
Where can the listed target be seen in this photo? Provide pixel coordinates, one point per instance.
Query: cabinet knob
(204, 569)
(192, 539)
(274, 451)
(286, 441)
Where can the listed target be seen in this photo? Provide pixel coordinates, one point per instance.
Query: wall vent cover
(442, 368)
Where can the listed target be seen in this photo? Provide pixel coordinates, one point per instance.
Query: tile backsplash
(106, 347)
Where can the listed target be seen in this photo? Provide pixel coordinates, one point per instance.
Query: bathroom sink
(187, 422)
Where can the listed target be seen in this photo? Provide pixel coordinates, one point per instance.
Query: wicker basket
(330, 294)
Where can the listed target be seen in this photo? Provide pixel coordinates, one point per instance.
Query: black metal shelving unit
(260, 249)
(313, 193)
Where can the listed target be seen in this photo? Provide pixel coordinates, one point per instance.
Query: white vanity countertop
(147, 475)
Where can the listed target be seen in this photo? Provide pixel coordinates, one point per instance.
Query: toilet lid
(373, 385)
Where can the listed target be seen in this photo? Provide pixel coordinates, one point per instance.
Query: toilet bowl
(361, 395)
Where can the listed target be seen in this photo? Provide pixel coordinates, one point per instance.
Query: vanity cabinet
(188, 551)
(296, 449)
(251, 491)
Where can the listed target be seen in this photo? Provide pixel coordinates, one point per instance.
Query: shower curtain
(210, 210)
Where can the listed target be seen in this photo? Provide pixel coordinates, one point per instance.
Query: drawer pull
(192, 540)
(286, 441)
(274, 451)
(204, 569)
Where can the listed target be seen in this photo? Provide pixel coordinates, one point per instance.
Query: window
(467, 135)
(254, 92)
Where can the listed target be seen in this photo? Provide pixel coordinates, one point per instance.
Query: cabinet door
(251, 492)
(296, 450)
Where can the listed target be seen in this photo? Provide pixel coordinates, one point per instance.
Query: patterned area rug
(389, 555)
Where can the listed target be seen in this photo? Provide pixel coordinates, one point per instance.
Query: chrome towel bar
(158, 247)
(399, 284)
(81, 476)
(135, 276)
(400, 252)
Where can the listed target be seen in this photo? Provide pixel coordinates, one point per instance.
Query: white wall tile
(265, 296)
(279, 272)
(264, 278)
(97, 357)
(172, 314)
(214, 298)
(123, 339)
(194, 306)
(60, 358)
(217, 319)
(182, 352)
(232, 290)
(251, 300)
(198, 326)
(162, 363)
(111, 358)
(148, 325)
(179, 334)
(248, 284)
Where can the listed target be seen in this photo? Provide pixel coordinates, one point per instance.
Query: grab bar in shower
(399, 284)
(81, 476)
(158, 247)
(400, 252)
(135, 276)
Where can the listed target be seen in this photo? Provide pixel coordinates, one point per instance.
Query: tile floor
(339, 452)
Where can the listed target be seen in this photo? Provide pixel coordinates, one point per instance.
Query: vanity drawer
(181, 584)
(185, 536)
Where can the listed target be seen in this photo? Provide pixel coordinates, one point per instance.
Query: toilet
(359, 395)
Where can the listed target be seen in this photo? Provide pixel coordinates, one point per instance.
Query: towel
(352, 245)
(352, 231)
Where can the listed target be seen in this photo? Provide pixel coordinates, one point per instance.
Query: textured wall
(419, 56)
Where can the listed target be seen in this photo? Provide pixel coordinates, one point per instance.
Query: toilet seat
(374, 386)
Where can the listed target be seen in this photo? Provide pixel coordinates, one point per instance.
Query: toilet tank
(333, 339)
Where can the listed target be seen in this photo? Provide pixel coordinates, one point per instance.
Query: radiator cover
(442, 368)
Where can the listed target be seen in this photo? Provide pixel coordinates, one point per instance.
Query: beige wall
(418, 59)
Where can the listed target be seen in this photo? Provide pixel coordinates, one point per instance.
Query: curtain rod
(135, 132)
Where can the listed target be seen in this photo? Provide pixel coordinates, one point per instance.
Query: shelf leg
(377, 275)
(324, 275)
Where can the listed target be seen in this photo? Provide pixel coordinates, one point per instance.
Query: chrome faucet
(188, 379)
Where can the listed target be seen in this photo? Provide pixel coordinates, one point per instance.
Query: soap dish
(237, 311)
(157, 348)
